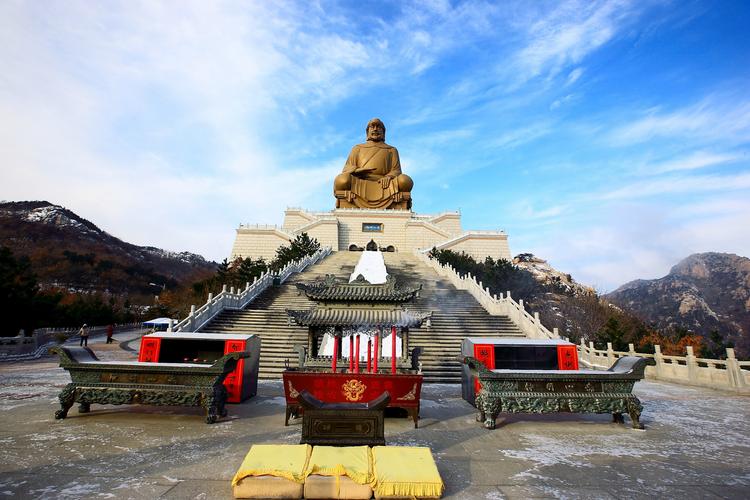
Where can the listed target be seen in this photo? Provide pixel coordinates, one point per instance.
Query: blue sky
(610, 138)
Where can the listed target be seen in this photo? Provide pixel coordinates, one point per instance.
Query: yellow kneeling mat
(272, 471)
(405, 472)
(339, 472)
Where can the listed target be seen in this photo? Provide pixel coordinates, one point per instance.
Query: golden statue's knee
(342, 182)
(404, 183)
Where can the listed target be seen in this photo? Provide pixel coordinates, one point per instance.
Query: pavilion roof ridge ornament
(330, 289)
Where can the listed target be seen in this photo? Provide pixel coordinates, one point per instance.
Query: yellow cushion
(287, 461)
(267, 487)
(339, 487)
(352, 461)
(405, 472)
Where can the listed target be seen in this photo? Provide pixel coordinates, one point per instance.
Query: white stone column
(659, 368)
(692, 365)
(736, 377)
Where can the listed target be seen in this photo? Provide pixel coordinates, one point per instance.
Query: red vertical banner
(150, 348)
(393, 349)
(567, 357)
(234, 380)
(485, 353)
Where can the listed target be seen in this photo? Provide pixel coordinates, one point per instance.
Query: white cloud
(723, 118)
(519, 136)
(679, 185)
(620, 243)
(569, 33)
(574, 75)
(697, 160)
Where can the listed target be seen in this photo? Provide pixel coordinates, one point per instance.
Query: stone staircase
(456, 315)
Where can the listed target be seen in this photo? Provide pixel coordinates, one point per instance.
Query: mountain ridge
(69, 251)
(702, 292)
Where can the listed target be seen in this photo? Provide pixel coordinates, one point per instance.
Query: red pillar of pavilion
(335, 352)
(393, 349)
(356, 359)
(351, 353)
(369, 358)
(376, 352)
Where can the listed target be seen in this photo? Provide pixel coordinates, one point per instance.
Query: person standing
(84, 333)
(110, 331)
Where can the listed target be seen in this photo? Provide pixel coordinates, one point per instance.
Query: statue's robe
(367, 164)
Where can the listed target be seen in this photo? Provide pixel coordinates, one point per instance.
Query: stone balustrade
(231, 299)
(504, 305)
(35, 345)
(728, 374)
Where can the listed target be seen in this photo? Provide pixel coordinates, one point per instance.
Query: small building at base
(345, 229)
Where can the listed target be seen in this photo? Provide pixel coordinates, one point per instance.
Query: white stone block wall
(480, 246)
(340, 228)
(256, 243)
(326, 232)
(450, 222)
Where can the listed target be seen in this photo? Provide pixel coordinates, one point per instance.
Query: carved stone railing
(504, 305)
(37, 344)
(231, 299)
(727, 374)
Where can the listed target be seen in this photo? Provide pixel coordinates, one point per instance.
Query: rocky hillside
(70, 252)
(704, 292)
(548, 275)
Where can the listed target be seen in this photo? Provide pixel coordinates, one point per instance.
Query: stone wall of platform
(404, 230)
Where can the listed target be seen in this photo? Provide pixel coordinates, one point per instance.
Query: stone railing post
(659, 359)
(223, 288)
(556, 333)
(585, 352)
(736, 377)
(631, 350)
(192, 318)
(169, 326)
(592, 353)
(610, 354)
(538, 326)
(692, 365)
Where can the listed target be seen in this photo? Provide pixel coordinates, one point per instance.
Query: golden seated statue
(372, 175)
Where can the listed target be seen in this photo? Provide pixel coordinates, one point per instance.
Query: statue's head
(375, 130)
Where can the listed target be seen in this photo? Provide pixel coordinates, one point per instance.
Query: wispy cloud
(679, 185)
(569, 33)
(716, 117)
(574, 75)
(521, 135)
(697, 160)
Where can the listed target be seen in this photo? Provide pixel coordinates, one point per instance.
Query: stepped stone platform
(456, 315)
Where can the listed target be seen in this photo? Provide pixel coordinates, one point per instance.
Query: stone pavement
(696, 444)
